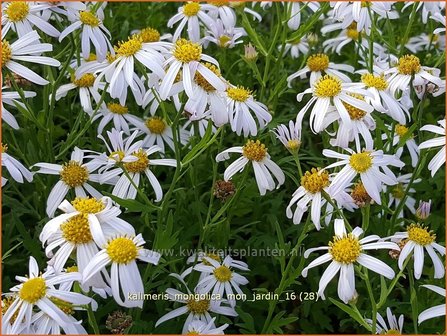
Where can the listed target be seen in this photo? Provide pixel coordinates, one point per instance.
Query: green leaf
(351, 312)
(133, 205)
(278, 322)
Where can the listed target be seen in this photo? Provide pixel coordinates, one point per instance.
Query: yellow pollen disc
(198, 307)
(223, 274)
(219, 3)
(4, 148)
(202, 82)
(211, 256)
(87, 205)
(434, 38)
(314, 181)
(354, 112)
(72, 269)
(293, 144)
(117, 108)
(17, 11)
(238, 93)
(6, 52)
(73, 174)
(65, 306)
(420, 234)
(89, 19)
(409, 65)
(359, 194)
(398, 191)
(361, 162)
(76, 230)
(366, 4)
(111, 58)
(223, 40)
(345, 250)
(401, 130)
(118, 156)
(86, 80)
(297, 41)
(156, 125)
(33, 290)
(149, 35)
(122, 250)
(191, 9)
(6, 303)
(130, 47)
(254, 151)
(327, 87)
(193, 333)
(318, 62)
(91, 57)
(377, 82)
(352, 32)
(137, 166)
(392, 332)
(186, 51)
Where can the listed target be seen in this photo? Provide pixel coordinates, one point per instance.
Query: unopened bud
(251, 54)
(423, 210)
(223, 190)
(312, 39)
(118, 322)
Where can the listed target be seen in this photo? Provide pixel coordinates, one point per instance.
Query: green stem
(373, 302)
(92, 320)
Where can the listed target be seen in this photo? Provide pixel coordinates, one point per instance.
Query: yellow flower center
(297, 41)
(401, 130)
(223, 40)
(314, 181)
(191, 9)
(111, 58)
(409, 65)
(219, 3)
(118, 156)
(130, 47)
(198, 307)
(117, 108)
(318, 62)
(211, 256)
(65, 306)
(89, 19)
(223, 274)
(73, 174)
(359, 194)
(361, 162)
(149, 35)
(193, 333)
(186, 51)
(137, 166)
(238, 93)
(87, 205)
(202, 82)
(156, 125)
(391, 332)
(434, 38)
(122, 250)
(254, 151)
(420, 234)
(366, 4)
(4, 148)
(293, 144)
(86, 80)
(354, 112)
(398, 191)
(91, 57)
(345, 249)
(76, 230)
(17, 11)
(377, 82)
(352, 32)
(327, 87)
(72, 269)
(33, 290)
(6, 52)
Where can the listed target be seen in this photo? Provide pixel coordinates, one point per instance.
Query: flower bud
(251, 54)
(423, 210)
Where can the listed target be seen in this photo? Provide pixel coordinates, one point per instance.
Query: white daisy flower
(124, 188)
(240, 102)
(433, 311)
(117, 114)
(93, 31)
(397, 192)
(430, 7)
(27, 49)
(344, 251)
(401, 131)
(425, 42)
(224, 37)
(313, 182)
(290, 136)
(327, 92)
(409, 69)
(14, 167)
(191, 14)
(198, 327)
(439, 159)
(381, 98)
(438, 17)
(221, 278)
(12, 98)
(87, 90)
(43, 324)
(200, 123)
(256, 154)
(394, 325)
(347, 35)
(122, 252)
(197, 306)
(39, 290)
(296, 47)
(73, 174)
(319, 65)
(65, 8)
(417, 238)
(21, 16)
(81, 228)
(367, 164)
(295, 12)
